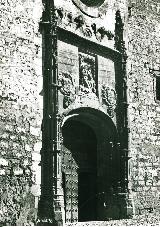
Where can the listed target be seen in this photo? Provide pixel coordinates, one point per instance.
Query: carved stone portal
(87, 75)
(109, 98)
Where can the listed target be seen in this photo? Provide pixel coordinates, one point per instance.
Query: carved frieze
(67, 88)
(101, 32)
(109, 98)
(79, 22)
(87, 75)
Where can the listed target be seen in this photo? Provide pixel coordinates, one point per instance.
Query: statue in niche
(67, 88)
(109, 97)
(87, 74)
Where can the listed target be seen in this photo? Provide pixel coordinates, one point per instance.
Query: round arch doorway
(81, 142)
(86, 164)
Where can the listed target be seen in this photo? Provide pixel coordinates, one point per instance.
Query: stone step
(151, 219)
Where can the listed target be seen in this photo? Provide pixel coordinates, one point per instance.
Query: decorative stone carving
(87, 31)
(67, 88)
(78, 22)
(101, 32)
(109, 97)
(119, 40)
(85, 7)
(91, 3)
(87, 73)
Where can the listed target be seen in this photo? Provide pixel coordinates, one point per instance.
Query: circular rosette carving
(67, 88)
(109, 98)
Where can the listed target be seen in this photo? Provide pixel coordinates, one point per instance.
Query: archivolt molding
(96, 106)
(90, 114)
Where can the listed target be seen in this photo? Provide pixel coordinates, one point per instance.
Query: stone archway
(88, 163)
(81, 142)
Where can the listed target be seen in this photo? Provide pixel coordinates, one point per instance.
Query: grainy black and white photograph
(79, 112)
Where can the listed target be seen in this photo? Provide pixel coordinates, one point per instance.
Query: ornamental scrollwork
(87, 73)
(109, 98)
(78, 22)
(67, 88)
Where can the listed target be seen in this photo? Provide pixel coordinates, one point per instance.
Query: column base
(45, 222)
(58, 212)
(46, 214)
(125, 204)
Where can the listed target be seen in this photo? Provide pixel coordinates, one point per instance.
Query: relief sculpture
(67, 88)
(109, 98)
(87, 74)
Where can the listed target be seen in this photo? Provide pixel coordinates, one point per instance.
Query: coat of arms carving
(109, 98)
(87, 80)
(67, 88)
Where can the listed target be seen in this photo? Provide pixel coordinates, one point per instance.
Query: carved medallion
(85, 5)
(67, 88)
(109, 98)
(92, 3)
(87, 80)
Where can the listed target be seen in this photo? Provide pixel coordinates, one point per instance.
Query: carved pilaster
(48, 204)
(118, 32)
(122, 105)
(123, 119)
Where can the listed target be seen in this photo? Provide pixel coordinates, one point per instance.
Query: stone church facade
(80, 96)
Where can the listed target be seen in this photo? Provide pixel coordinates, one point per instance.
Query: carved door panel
(71, 186)
(79, 162)
(71, 197)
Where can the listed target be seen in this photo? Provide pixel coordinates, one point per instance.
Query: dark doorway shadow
(87, 196)
(81, 141)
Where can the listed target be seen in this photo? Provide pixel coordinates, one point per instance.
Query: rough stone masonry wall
(144, 110)
(20, 109)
